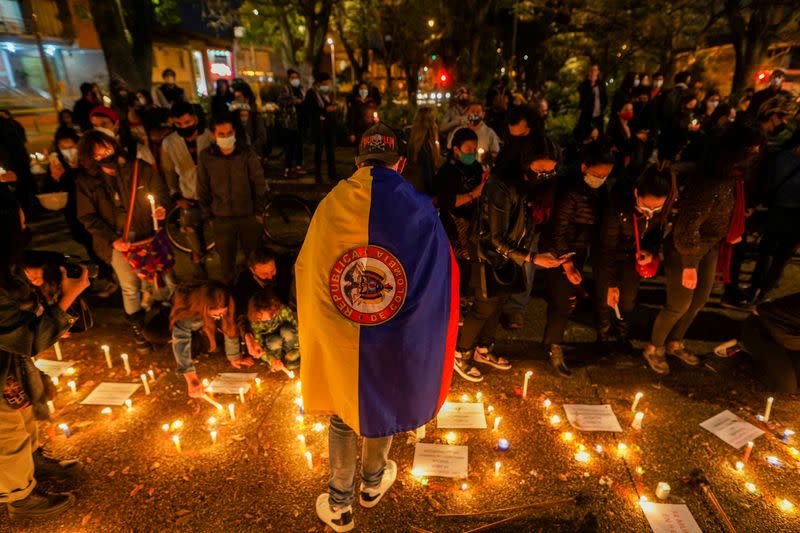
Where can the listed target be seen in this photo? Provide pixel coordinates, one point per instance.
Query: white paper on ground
(52, 368)
(732, 429)
(670, 518)
(592, 417)
(440, 460)
(231, 382)
(108, 393)
(454, 415)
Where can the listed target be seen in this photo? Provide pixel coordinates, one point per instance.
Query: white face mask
(658, 83)
(226, 143)
(110, 133)
(295, 82)
(636, 82)
(324, 89)
(70, 154)
(713, 104)
(142, 101)
(593, 181)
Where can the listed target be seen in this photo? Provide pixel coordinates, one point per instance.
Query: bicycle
(286, 221)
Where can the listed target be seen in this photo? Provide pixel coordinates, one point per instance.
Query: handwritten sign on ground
(592, 417)
(53, 369)
(732, 429)
(670, 518)
(108, 393)
(461, 416)
(440, 460)
(231, 382)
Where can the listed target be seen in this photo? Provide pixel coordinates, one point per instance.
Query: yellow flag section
(330, 360)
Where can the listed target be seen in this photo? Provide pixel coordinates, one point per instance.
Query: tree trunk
(412, 83)
(127, 61)
(388, 66)
(749, 55)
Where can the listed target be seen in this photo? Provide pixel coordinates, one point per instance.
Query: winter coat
(230, 185)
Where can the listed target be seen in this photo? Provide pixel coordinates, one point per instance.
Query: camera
(73, 267)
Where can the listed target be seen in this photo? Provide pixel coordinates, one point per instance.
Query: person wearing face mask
(321, 108)
(231, 191)
(133, 139)
(710, 104)
(625, 92)
(250, 128)
(710, 219)
(179, 155)
(261, 273)
(207, 307)
(361, 115)
(569, 236)
(292, 119)
(772, 90)
(501, 242)
(621, 137)
(372, 91)
(630, 238)
(488, 141)
(456, 115)
(168, 93)
(104, 197)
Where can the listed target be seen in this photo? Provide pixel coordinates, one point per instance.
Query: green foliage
(167, 12)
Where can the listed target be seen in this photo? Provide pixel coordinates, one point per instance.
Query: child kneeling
(271, 332)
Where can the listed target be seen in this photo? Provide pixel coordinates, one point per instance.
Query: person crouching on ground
(271, 332)
(205, 306)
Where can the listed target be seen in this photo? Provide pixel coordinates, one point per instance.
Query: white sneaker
(338, 520)
(371, 497)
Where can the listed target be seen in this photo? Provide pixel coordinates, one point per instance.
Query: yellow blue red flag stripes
(377, 301)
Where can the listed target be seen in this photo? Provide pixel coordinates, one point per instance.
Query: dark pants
(518, 303)
(229, 232)
(777, 367)
(775, 251)
(737, 258)
(682, 304)
(561, 296)
(293, 148)
(480, 324)
(628, 290)
(326, 140)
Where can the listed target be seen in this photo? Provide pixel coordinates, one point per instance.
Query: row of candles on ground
(301, 422)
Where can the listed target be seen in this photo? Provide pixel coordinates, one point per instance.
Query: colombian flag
(377, 302)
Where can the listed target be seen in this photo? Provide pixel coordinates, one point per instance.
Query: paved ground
(255, 477)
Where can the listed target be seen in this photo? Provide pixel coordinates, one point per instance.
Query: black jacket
(103, 202)
(575, 220)
(503, 228)
(321, 120)
(230, 185)
(586, 93)
(617, 242)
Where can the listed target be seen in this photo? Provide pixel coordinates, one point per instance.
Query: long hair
(424, 132)
(86, 147)
(658, 179)
(194, 299)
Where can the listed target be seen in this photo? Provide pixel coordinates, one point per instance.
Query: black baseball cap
(379, 143)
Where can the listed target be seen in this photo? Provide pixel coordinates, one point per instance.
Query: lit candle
(662, 490)
(739, 466)
(129, 404)
(309, 461)
(205, 382)
(299, 403)
(528, 375)
(555, 420)
(464, 398)
(299, 386)
(165, 427)
(636, 399)
(637, 421)
(768, 410)
(232, 411)
(178, 424)
(622, 449)
(107, 353)
(71, 372)
(258, 383)
(497, 466)
(547, 403)
(177, 440)
(786, 505)
(497, 422)
(568, 436)
(57, 348)
(464, 486)
(582, 457)
(319, 428)
(490, 409)
(212, 420)
(301, 420)
(143, 377)
(65, 429)
(51, 406)
(421, 432)
(481, 151)
(288, 372)
(207, 398)
(450, 437)
(479, 396)
(241, 394)
(503, 445)
(105, 411)
(55, 380)
(72, 387)
(152, 200)
(750, 487)
(747, 452)
(127, 364)
(152, 375)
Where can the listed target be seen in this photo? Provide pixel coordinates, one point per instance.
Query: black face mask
(108, 162)
(187, 131)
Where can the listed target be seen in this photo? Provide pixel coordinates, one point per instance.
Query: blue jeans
(517, 303)
(343, 450)
(132, 285)
(182, 344)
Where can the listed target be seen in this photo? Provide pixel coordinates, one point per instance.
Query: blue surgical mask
(226, 143)
(467, 159)
(363, 93)
(324, 89)
(295, 82)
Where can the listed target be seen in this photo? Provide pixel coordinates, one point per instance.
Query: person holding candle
(105, 205)
(27, 328)
(207, 307)
(271, 332)
(572, 231)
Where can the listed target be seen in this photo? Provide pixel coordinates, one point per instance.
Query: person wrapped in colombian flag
(377, 295)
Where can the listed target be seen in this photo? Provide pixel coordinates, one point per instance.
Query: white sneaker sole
(389, 477)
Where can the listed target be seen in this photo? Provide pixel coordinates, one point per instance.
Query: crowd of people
(670, 179)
